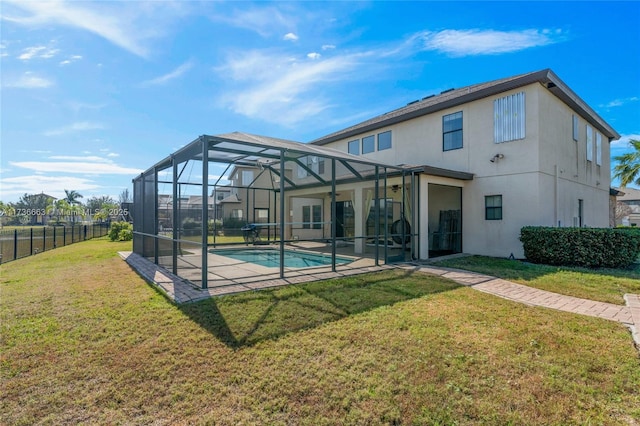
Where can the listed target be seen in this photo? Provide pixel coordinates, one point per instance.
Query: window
(384, 140)
(307, 222)
(306, 217)
(314, 163)
(354, 147)
(493, 207)
(236, 214)
(598, 149)
(589, 143)
(317, 216)
(509, 118)
(575, 127)
(247, 177)
(368, 144)
(452, 131)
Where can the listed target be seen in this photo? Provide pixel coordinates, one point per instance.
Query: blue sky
(95, 92)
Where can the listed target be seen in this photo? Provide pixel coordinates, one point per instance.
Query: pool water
(271, 258)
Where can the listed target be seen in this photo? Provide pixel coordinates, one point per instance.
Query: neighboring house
(249, 196)
(494, 157)
(629, 197)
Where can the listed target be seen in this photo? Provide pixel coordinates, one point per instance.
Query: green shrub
(125, 235)
(589, 247)
(215, 225)
(120, 231)
(232, 226)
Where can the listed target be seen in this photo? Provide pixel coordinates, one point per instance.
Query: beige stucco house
(249, 197)
(492, 158)
(629, 215)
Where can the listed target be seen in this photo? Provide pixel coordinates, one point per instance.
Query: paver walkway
(628, 315)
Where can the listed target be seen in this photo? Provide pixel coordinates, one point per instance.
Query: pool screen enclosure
(242, 191)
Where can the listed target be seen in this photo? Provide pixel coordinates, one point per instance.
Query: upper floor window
(314, 163)
(452, 131)
(247, 177)
(493, 207)
(598, 149)
(575, 127)
(589, 143)
(384, 140)
(368, 144)
(509, 118)
(354, 147)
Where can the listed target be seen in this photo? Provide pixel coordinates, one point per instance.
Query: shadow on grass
(248, 318)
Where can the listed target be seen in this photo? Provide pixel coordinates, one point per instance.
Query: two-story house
(494, 157)
(460, 171)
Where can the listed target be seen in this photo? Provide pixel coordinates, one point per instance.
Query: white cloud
(29, 80)
(623, 142)
(71, 59)
(14, 187)
(125, 24)
(79, 158)
(328, 46)
(169, 76)
(76, 167)
(290, 37)
(275, 88)
(486, 42)
(280, 88)
(255, 65)
(113, 155)
(30, 52)
(620, 102)
(74, 127)
(264, 21)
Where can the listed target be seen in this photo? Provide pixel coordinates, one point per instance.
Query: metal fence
(17, 243)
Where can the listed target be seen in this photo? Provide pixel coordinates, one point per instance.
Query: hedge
(589, 247)
(120, 231)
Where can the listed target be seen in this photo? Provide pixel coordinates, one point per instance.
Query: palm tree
(58, 209)
(628, 167)
(72, 197)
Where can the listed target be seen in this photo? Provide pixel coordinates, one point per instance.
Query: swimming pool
(271, 258)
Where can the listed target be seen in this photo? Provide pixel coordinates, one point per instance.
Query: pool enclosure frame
(292, 171)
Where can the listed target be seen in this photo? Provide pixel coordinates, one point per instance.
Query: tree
(628, 167)
(72, 197)
(59, 209)
(94, 204)
(125, 196)
(106, 212)
(6, 213)
(31, 208)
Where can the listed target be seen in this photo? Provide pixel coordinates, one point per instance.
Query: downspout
(557, 196)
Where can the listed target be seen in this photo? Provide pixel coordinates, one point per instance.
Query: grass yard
(85, 340)
(603, 285)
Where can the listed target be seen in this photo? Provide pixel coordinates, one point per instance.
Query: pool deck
(229, 276)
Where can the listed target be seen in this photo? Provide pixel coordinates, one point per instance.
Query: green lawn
(85, 340)
(604, 285)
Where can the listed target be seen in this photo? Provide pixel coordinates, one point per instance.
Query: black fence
(17, 243)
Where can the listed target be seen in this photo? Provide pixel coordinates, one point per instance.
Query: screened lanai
(240, 207)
